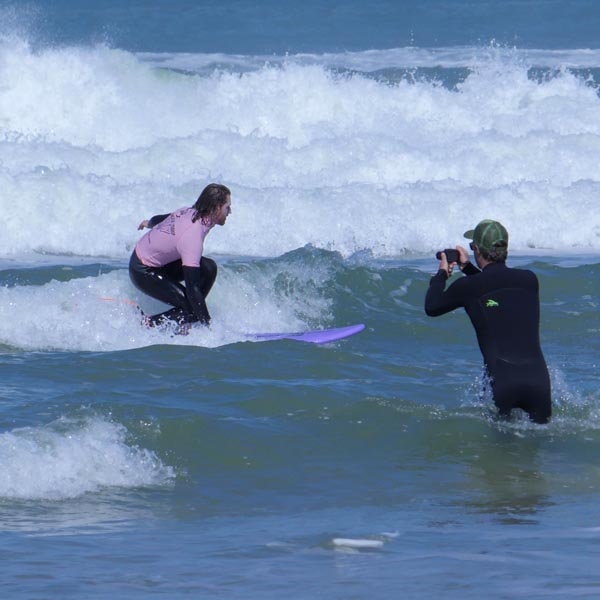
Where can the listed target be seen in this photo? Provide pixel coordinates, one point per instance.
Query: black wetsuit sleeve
(156, 219)
(439, 302)
(193, 287)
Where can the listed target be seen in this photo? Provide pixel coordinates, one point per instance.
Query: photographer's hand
(444, 266)
(463, 256)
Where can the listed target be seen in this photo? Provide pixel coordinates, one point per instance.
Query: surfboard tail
(317, 336)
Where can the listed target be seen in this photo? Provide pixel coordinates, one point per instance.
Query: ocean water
(357, 139)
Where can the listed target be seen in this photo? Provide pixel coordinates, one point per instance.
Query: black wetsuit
(503, 305)
(164, 284)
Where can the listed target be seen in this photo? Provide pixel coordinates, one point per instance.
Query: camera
(451, 254)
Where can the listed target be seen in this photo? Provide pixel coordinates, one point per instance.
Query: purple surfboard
(318, 336)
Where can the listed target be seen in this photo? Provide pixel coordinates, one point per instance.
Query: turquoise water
(140, 464)
(182, 471)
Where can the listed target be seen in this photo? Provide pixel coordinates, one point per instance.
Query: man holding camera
(504, 307)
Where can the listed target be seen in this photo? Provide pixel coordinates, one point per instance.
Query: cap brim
(469, 234)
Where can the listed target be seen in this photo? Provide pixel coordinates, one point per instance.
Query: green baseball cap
(488, 235)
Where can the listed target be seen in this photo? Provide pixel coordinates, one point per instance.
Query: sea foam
(94, 139)
(99, 314)
(67, 459)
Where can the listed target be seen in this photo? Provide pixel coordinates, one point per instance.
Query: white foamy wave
(93, 140)
(68, 459)
(99, 313)
(369, 61)
(88, 97)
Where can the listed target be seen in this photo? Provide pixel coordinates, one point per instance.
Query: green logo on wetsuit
(492, 304)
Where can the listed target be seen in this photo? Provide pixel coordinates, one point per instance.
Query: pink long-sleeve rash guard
(177, 237)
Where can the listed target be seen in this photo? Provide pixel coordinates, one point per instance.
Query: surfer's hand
(143, 224)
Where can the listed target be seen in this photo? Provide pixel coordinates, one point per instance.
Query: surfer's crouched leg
(162, 283)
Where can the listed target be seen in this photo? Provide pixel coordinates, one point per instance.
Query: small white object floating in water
(357, 544)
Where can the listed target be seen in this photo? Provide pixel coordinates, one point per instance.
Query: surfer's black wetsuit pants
(164, 284)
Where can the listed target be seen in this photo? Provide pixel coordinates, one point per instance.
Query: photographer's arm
(439, 301)
(465, 264)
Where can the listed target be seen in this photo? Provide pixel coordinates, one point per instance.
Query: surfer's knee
(209, 268)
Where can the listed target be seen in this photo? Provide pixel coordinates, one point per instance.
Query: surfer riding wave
(172, 253)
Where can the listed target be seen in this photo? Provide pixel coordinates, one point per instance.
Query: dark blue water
(245, 27)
